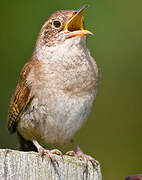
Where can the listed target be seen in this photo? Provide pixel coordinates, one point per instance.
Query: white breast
(56, 122)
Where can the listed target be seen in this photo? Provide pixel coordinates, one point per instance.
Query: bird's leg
(79, 154)
(50, 153)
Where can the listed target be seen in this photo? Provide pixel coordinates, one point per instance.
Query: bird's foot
(84, 157)
(50, 153)
(79, 154)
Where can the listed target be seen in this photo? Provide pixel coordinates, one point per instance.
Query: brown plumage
(56, 88)
(21, 98)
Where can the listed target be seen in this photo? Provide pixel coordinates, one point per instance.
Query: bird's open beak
(75, 26)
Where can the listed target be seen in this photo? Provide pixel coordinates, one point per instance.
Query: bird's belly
(55, 120)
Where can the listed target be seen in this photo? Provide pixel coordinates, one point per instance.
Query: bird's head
(63, 25)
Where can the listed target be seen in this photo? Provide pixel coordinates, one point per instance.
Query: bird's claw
(50, 154)
(84, 157)
(70, 153)
(56, 151)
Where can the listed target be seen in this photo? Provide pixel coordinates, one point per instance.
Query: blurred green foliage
(113, 131)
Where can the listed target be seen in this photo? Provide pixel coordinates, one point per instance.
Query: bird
(56, 87)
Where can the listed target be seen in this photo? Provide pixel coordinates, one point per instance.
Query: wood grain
(17, 165)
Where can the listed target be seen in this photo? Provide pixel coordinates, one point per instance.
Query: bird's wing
(20, 99)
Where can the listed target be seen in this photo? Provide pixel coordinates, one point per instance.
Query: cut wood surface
(17, 165)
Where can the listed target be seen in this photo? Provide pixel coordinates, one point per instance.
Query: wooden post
(17, 165)
(134, 177)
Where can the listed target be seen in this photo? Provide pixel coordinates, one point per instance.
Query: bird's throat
(70, 47)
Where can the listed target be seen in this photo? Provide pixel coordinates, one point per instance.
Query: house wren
(56, 87)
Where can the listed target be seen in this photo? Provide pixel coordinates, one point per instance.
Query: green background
(113, 131)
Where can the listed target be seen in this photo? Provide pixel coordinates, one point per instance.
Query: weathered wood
(17, 165)
(134, 177)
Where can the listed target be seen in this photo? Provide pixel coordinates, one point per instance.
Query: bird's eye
(57, 23)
